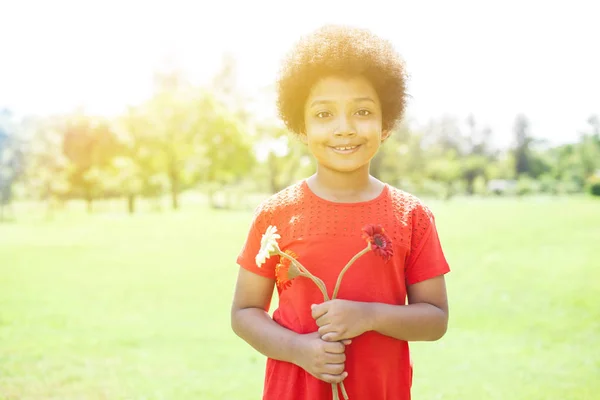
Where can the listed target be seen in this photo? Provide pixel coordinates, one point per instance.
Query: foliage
(594, 185)
(186, 137)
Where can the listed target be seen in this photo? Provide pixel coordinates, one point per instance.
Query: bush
(480, 186)
(567, 187)
(431, 188)
(594, 185)
(548, 184)
(526, 186)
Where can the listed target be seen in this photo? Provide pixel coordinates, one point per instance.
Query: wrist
(370, 316)
(295, 346)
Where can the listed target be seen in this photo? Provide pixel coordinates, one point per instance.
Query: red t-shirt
(325, 235)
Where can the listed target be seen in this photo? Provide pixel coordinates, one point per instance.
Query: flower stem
(344, 393)
(320, 284)
(356, 257)
(335, 291)
(334, 389)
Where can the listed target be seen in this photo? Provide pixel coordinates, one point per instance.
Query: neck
(343, 182)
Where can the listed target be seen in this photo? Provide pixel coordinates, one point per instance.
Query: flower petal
(268, 245)
(378, 240)
(286, 271)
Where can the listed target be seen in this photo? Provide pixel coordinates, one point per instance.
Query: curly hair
(345, 51)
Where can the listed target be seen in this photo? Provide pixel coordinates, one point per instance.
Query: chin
(345, 168)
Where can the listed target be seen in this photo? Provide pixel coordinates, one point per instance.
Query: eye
(323, 114)
(363, 113)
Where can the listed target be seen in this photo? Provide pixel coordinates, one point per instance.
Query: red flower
(380, 242)
(285, 272)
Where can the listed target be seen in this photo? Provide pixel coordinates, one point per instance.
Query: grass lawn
(110, 306)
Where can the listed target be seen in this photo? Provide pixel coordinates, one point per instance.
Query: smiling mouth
(345, 149)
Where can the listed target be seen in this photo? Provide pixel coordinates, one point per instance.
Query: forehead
(341, 88)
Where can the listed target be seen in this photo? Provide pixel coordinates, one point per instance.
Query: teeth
(345, 148)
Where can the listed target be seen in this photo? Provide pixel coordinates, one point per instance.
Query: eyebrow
(356, 100)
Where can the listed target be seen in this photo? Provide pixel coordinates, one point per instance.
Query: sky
(492, 59)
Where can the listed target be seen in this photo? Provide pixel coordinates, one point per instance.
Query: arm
(425, 318)
(251, 322)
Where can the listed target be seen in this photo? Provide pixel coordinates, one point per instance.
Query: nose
(345, 127)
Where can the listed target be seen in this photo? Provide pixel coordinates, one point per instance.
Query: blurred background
(136, 138)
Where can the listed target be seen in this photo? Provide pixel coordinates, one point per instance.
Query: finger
(329, 334)
(318, 310)
(327, 328)
(323, 320)
(334, 369)
(332, 337)
(338, 358)
(334, 348)
(346, 342)
(334, 378)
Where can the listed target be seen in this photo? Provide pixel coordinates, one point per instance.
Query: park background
(137, 138)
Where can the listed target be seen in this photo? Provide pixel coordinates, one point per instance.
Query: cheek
(317, 133)
(370, 126)
(373, 134)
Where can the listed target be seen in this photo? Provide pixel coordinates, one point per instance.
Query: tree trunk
(211, 197)
(131, 204)
(470, 188)
(449, 191)
(174, 195)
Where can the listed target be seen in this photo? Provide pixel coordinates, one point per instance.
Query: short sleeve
(426, 259)
(247, 257)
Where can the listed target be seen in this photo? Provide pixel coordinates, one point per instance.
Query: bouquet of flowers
(289, 268)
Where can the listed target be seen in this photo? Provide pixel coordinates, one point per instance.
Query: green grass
(116, 307)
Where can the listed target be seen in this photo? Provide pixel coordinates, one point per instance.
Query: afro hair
(343, 51)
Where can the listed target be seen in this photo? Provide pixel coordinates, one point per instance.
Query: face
(343, 123)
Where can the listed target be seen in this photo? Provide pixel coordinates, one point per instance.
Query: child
(342, 90)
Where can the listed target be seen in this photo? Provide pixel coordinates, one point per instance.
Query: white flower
(268, 244)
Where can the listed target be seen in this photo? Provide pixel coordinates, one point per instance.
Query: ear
(385, 135)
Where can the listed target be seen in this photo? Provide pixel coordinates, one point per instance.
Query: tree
(89, 144)
(281, 156)
(472, 167)
(194, 137)
(594, 123)
(46, 174)
(225, 151)
(11, 158)
(477, 153)
(523, 140)
(479, 139)
(394, 160)
(173, 116)
(446, 169)
(136, 170)
(589, 148)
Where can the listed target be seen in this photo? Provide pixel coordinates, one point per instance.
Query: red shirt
(325, 235)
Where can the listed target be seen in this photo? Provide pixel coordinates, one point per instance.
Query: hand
(341, 319)
(323, 360)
